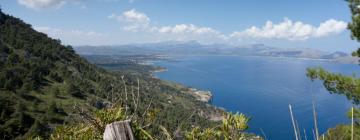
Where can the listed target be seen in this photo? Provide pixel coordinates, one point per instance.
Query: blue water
(262, 88)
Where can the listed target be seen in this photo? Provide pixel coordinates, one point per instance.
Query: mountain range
(196, 48)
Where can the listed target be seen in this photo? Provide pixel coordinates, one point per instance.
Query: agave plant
(232, 127)
(94, 127)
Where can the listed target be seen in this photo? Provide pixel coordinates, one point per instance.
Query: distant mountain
(263, 50)
(170, 47)
(195, 48)
(335, 55)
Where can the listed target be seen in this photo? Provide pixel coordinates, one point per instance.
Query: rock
(201, 95)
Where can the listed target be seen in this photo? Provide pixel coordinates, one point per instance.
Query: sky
(316, 24)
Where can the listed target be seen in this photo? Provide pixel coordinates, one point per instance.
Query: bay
(262, 88)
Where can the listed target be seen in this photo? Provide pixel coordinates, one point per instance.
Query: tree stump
(120, 130)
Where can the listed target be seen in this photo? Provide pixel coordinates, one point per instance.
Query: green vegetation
(232, 127)
(94, 127)
(42, 81)
(344, 85)
(125, 63)
(338, 83)
(343, 131)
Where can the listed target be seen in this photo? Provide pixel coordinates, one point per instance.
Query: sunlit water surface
(262, 88)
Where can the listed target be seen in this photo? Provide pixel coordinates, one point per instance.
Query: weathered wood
(120, 130)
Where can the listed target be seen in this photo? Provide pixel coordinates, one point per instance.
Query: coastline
(340, 60)
(204, 96)
(200, 95)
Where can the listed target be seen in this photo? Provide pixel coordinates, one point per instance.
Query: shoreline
(204, 96)
(200, 95)
(342, 60)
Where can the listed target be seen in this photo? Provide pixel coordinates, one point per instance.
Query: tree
(338, 83)
(341, 84)
(13, 59)
(354, 26)
(75, 91)
(1, 16)
(37, 128)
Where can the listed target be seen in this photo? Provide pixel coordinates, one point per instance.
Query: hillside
(41, 81)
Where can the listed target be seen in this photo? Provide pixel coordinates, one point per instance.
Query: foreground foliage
(92, 128)
(338, 83)
(343, 132)
(232, 127)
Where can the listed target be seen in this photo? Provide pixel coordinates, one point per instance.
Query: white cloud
(330, 26)
(74, 37)
(42, 4)
(112, 16)
(54, 32)
(50, 4)
(187, 32)
(135, 21)
(290, 30)
(186, 28)
(135, 17)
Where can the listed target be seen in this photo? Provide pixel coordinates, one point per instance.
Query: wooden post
(120, 130)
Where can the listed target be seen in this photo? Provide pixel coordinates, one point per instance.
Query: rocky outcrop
(201, 95)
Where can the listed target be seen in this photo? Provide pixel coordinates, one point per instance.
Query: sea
(263, 88)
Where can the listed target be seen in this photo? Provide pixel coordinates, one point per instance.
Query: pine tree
(75, 91)
(338, 83)
(341, 84)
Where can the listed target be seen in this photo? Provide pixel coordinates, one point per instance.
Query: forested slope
(41, 81)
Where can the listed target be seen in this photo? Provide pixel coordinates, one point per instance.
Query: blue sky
(318, 24)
